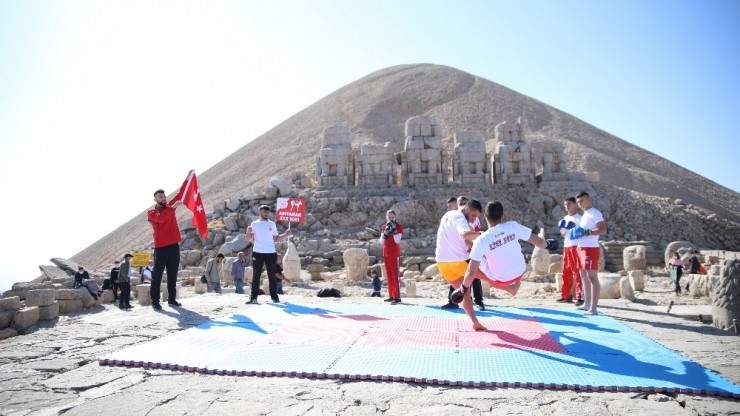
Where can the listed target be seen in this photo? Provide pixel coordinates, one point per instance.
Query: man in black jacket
(80, 276)
(114, 279)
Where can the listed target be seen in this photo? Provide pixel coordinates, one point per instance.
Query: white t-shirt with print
(264, 231)
(575, 219)
(450, 244)
(499, 252)
(590, 218)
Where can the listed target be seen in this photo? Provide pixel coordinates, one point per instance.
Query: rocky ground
(54, 370)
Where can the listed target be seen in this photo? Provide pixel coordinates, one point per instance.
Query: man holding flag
(167, 235)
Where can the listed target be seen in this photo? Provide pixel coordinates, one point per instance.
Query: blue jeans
(239, 283)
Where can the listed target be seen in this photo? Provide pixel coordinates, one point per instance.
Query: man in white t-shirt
(263, 232)
(454, 230)
(587, 234)
(571, 273)
(457, 204)
(146, 274)
(497, 257)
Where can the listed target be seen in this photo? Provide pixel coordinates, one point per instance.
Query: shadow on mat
(185, 318)
(293, 309)
(577, 319)
(687, 374)
(240, 321)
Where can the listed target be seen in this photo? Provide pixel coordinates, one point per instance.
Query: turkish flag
(189, 195)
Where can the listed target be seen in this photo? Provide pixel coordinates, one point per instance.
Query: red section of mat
(394, 338)
(414, 332)
(518, 340)
(312, 334)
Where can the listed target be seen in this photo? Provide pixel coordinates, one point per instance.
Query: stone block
(199, 288)
(88, 301)
(107, 296)
(356, 261)
(68, 294)
(143, 294)
(609, 285)
(556, 267)
(49, 312)
(69, 305)
(7, 333)
(410, 288)
(266, 286)
(6, 317)
(431, 271)
(625, 289)
(633, 258)
(559, 281)
(164, 294)
(10, 303)
(230, 289)
(637, 280)
(40, 297)
(726, 299)
(25, 318)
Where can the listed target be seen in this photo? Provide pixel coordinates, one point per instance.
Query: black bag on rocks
(329, 292)
(203, 279)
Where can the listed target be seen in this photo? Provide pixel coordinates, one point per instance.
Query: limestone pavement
(53, 369)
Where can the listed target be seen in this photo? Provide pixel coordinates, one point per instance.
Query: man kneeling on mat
(497, 258)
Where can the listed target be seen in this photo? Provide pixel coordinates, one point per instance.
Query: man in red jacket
(390, 236)
(166, 247)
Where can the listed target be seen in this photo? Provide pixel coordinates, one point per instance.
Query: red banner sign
(291, 210)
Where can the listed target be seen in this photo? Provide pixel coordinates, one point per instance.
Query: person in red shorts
(587, 233)
(390, 236)
(571, 274)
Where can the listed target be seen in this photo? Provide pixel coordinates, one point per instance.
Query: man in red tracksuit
(390, 236)
(166, 247)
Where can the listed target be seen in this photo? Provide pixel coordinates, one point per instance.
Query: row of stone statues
(424, 160)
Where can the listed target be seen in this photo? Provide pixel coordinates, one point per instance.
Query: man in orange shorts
(496, 257)
(454, 230)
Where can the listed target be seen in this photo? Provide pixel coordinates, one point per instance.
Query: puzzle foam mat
(540, 348)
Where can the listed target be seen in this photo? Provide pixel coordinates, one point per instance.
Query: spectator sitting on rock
(80, 276)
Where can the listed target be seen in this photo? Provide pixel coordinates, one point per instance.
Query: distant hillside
(376, 108)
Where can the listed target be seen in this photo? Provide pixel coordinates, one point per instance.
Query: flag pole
(187, 186)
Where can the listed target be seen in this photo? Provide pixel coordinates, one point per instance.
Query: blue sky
(103, 101)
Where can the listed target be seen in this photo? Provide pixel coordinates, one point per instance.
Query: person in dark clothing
(377, 284)
(113, 281)
(693, 266)
(80, 276)
(124, 281)
(279, 276)
(677, 264)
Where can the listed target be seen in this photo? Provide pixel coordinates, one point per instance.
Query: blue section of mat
(536, 347)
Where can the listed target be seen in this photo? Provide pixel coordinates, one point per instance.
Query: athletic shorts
(588, 258)
(499, 282)
(452, 270)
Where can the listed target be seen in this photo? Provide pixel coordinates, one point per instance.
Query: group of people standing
(581, 252)
(465, 255)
